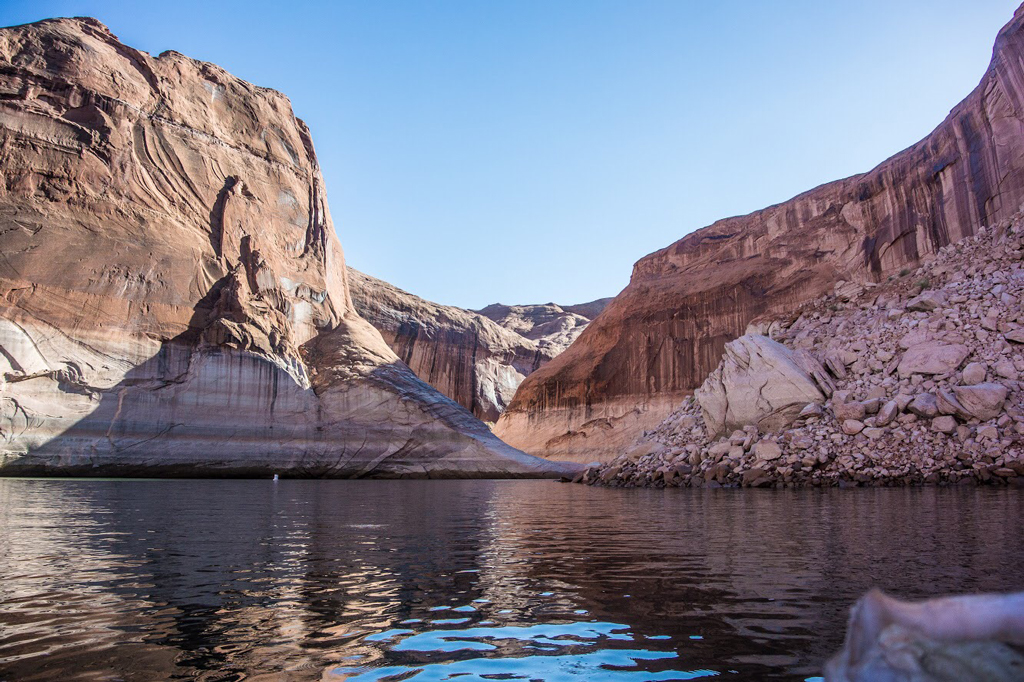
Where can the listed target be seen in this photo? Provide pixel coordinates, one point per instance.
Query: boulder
(944, 424)
(927, 301)
(913, 338)
(811, 410)
(847, 291)
(753, 478)
(759, 382)
(947, 403)
(850, 410)
(1005, 369)
(836, 364)
(852, 427)
(982, 401)
(932, 357)
(767, 451)
(887, 412)
(643, 449)
(924, 405)
(974, 373)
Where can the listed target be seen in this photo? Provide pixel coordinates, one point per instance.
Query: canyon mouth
(175, 303)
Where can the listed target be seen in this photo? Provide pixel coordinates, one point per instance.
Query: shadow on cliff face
(194, 411)
(200, 410)
(198, 407)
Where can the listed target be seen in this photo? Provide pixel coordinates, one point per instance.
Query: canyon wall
(173, 297)
(476, 358)
(667, 330)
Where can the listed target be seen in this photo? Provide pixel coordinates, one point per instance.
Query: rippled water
(467, 580)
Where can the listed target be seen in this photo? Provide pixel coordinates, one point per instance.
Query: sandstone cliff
(476, 358)
(173, 298)
(913, 381)
(466, 356)
(661, 336)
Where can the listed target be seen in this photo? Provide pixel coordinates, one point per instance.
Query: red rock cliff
(173, 298)
(659, 338)
(476, 358)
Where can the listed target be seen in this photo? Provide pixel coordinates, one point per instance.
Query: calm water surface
(467, 580)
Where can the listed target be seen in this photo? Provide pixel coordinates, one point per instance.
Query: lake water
(468, 580)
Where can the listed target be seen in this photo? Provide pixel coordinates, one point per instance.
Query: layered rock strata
(466, 356)
(173, 298)
(918, 381)
(476, 358)
(666, 331)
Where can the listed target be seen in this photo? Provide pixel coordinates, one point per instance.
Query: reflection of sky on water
(549, 652)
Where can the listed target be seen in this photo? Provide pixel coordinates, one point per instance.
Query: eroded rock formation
(760, 382)
(476, 358)
(661, 336)
(173, 298)
(877, 420)
(472, 360)
(552, 326)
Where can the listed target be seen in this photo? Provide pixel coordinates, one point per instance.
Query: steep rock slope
(662, 335)
(914, 381)
(476, 358)
(469, 358)
(173, 297)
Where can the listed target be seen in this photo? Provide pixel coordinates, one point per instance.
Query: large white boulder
(759, 382)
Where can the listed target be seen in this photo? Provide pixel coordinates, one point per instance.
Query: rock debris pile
(912, 381)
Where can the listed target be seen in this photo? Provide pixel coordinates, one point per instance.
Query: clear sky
(530, 151)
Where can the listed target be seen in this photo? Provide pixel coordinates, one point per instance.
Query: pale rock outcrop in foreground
(911, 395)
(949, 639)
(173, 298)
(477, 359)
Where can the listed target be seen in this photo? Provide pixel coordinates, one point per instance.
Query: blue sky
(527, 151)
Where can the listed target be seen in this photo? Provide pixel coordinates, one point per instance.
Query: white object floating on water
(275, 477)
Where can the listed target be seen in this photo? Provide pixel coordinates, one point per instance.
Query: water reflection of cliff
(220, 576)
(739, 580)
(221, 580)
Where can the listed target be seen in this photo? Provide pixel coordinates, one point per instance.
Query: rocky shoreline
(912, 381)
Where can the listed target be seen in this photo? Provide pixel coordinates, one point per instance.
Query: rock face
(968, 638)
(469, 358)
(476, 358)
(878, 426)
(660, 337)
(173, 298)
(759, 382)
